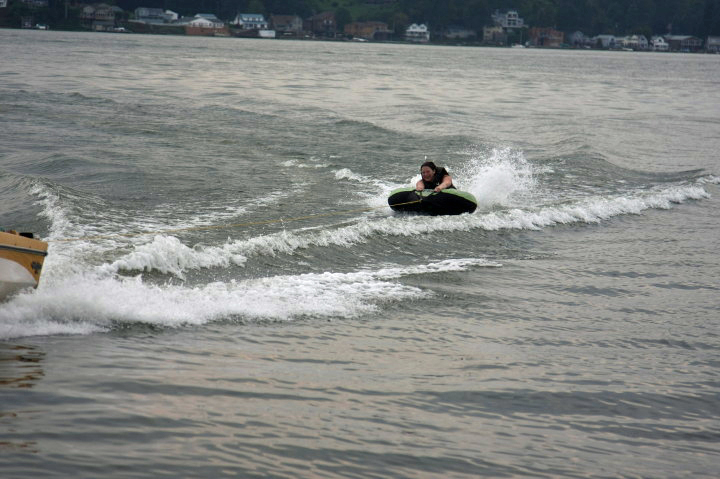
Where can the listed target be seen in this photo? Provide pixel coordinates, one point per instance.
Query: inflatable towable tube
(445, 202)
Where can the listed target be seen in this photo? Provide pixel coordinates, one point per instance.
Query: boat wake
(95, 302)
(96, 285)
(504, 180)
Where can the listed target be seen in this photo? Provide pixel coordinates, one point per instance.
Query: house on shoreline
(545, 37)
(712, 45)
(155, 15)
(604, 42)
(251, 25)
(508, 19)
(368, 30)
(101, 17)
(417, 33)
(578, 39)
(287, 25)
(206, 24)
(250, 21)
(658, 44)
(684, 43)
(508, 28)
(634, 42)
(321, 25)
(507, 24)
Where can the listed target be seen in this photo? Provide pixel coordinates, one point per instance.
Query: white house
(250, 21)
(149, 15)
(605, 41)
(508, 19)
(712, 45)
(635, 42)
(578, 39)
(100, 17)
(658, 44)
(206, 20)
(417, 33)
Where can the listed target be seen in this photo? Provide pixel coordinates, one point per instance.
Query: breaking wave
(93, 302)
(168, 254)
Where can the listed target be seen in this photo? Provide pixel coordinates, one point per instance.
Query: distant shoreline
(353, 40)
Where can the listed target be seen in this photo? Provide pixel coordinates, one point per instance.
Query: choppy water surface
(265, 315)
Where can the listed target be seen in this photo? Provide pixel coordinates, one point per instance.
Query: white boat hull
(13, 278)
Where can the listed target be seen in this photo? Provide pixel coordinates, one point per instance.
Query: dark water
(268, 316)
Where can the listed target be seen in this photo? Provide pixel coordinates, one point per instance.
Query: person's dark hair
(430, 165)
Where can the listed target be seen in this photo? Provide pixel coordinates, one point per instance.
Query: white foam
(710, 179)
(377, 196)
(168, 255)
(314, 163)
(347, 174)
(89, 303)
(57, 212)
(591, 210)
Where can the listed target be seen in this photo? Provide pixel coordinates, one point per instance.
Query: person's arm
(446, 182)
(419, 186)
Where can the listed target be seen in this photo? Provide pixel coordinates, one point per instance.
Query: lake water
(237, 300)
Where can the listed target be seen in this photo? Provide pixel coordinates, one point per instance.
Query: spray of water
(496, 177)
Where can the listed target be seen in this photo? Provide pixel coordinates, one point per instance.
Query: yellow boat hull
(21, 261)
